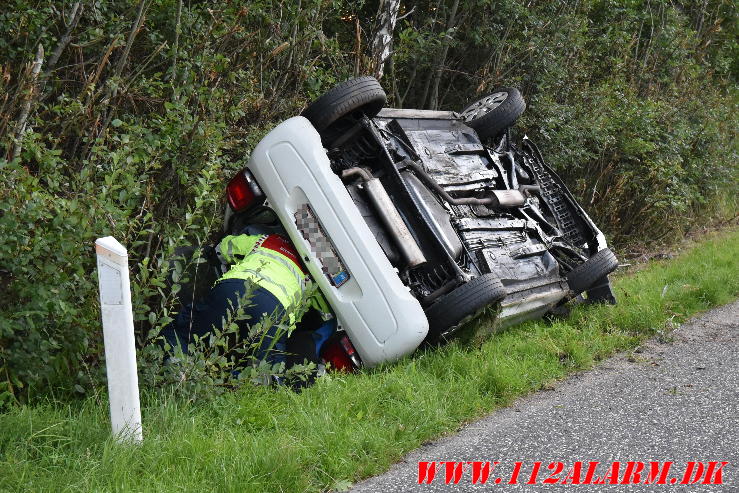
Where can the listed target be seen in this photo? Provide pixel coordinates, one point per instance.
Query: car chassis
(406, 218)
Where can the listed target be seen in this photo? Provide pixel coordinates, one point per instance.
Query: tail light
(342, 356)
(243, 192)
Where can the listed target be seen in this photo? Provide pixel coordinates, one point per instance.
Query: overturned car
(413, 222)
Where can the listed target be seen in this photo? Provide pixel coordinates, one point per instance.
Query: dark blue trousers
(200, 317)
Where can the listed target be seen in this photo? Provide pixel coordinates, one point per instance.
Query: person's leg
(199, 318)
(176, 333)
(220, 305)
(271, 342)
(257, 303)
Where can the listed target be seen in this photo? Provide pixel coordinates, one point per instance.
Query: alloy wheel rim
(484, 106)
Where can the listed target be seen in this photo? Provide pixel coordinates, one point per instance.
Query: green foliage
(143, 109)
(634, 103)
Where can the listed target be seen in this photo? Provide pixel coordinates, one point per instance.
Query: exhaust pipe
(497, 198)
(389, 215)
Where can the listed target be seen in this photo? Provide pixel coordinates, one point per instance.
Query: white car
(411, 226)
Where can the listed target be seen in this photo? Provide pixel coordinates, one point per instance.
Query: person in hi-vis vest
(264, 277)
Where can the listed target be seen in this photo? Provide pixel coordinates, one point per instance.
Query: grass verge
(351, 426)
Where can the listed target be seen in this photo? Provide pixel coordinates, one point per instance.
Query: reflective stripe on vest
(269, 261)
(299, 276)
(232, 249)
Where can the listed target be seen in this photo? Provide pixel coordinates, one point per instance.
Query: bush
(139, 111)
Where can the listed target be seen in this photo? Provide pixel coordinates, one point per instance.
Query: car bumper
(382, 318)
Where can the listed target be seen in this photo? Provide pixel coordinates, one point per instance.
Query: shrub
(141, 110)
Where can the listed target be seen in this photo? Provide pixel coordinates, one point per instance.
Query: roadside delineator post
(120, 350)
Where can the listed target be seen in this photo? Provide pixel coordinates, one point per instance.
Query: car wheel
(463, 304)
(492, 114)
(359, 96)
(592, 271)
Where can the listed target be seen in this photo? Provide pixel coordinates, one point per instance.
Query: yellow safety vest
(271, 262)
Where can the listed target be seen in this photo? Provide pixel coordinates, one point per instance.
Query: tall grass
(347, 427)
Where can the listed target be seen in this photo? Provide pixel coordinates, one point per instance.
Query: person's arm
(234, 248)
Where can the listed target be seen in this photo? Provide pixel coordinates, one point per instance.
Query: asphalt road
(672, 400)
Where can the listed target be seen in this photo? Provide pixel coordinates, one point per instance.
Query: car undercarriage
(415, 221)
(470, 209)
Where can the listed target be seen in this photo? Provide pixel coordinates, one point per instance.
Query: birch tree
(450, 28)
(382, 42)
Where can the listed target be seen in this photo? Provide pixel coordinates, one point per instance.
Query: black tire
(493, 113)
(363, 95)
(592, 271)
(462, 304)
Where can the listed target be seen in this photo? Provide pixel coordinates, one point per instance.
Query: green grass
(351, 426)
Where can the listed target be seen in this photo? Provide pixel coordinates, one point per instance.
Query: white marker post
(120, 351)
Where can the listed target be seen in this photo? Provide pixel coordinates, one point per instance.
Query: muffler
(508, 198)
(497, 198)
(389, 216)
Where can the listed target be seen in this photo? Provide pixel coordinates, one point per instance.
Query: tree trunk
(75, 15)
(434, 99)
(112, 90)
(20, 128)
(387, 16)
(427, 84)
(176, 47)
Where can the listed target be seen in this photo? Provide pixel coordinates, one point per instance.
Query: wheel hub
(484, 106)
